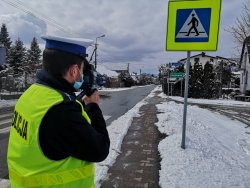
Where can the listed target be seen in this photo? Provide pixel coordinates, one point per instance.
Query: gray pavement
(138, 164)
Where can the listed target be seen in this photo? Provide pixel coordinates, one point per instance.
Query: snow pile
(227, 102)
(117, 130)
(217, 150)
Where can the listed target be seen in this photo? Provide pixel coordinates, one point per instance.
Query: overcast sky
(135, 29)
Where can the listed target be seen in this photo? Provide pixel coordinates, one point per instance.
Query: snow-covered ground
(217, 150)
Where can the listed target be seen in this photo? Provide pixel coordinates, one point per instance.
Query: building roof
(203, 54)
(104, 70)
(116, 66)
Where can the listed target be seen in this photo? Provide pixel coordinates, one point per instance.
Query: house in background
(203, 58)
(219, 63)
(103, 70)
(111, 77)
(245, 68)
(124, 78)
(118, 67)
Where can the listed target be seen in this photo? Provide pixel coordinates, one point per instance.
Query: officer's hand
(94, 98)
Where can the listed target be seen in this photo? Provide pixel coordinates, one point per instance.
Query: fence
(10, 95)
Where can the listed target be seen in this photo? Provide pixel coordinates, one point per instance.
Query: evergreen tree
(209, 77)
(178, 87)
(197, 80)
(223, 77)
(5, 40)
(34, 53)
(181, 69)
(33, 57)
(190, 88)
(163, 73)
(17, 56)
(4, 37)
(218, 80)
(226, 75)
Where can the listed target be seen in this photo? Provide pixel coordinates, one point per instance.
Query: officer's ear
(73, 70)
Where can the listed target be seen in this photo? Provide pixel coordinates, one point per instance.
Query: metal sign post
(185, 102)
(192, 26)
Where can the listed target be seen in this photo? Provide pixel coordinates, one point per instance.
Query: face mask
(78, 84)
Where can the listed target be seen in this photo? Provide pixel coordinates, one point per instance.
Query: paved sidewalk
(138, 164)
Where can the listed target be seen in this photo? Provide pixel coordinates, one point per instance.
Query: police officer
(54, 138)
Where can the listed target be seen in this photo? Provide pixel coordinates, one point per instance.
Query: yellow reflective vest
(28, 166)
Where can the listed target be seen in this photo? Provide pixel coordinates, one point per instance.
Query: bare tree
(241, 29)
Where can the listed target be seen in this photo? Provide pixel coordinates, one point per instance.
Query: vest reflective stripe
(52, 179)
(84, 114)
(28, 166)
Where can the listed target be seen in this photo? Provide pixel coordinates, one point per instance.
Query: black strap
(66, 96)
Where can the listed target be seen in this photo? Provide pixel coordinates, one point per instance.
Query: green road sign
(176, 74)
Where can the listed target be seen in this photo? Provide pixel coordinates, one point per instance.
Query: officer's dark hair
(58, 62)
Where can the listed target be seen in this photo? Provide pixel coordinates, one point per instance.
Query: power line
(19, 5)
(39, 14)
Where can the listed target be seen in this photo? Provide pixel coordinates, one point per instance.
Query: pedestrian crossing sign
(193, 25)
(195, 28)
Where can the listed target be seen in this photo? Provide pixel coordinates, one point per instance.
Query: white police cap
(75, 46)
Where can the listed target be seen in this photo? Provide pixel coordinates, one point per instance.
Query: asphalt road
(113, 104)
